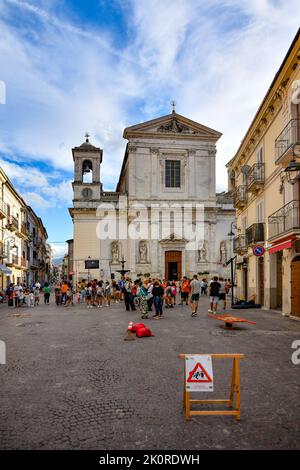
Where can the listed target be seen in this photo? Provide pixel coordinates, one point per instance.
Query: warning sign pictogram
(199, 373)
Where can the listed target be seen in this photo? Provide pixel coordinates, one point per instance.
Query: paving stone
(71, 381)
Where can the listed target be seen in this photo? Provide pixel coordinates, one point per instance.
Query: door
(279, 280)
(173, 265)
(261, 280)
(295, 287)
(245, 283)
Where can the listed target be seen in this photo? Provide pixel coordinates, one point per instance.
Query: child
(36, 293)
(107, 293)
(69, 297)
(21, 298)
(88, 296)
(99, 292)
(31, 299)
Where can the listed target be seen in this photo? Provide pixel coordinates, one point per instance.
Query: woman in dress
(143, 294)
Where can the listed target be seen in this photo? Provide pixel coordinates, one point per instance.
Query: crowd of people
(163, 294)
(148, 295)
(18, 295)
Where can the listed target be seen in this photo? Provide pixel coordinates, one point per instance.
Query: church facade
(165, 218)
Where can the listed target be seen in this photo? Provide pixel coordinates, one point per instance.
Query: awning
(281, 246)
(5, 269)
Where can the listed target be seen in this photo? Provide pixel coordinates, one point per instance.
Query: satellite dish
(245, 169)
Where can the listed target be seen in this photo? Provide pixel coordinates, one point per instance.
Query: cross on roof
(173, 104)
(87, 136)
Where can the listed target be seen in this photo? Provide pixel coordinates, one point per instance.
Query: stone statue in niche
(115, 252)
(143, 252)
(202, 253)
(223, 252)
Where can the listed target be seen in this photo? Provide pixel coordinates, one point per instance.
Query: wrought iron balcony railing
(239, 244)
(240, 196)
(15, 259)
(14, 222)
(255, 233)
(284, 220)
(288, 136)
(34, 263)
(256, 177)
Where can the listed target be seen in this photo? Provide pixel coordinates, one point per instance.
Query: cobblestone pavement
(72, 382)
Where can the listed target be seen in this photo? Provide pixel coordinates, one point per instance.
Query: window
(87, 171)
(260, 212)
(260, 156)
(172, 172)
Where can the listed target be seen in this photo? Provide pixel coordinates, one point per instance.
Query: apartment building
(24, 256)
(264, 179)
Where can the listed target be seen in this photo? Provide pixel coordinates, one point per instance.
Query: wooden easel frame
(235, 389)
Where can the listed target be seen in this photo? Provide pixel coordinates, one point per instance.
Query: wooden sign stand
(234, 390)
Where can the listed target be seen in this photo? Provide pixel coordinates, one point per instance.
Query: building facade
(22, 238)
(166, 183)
(266, 196)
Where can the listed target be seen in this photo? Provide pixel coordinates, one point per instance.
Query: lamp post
(231, 260)
(89, 269)
(293, 169)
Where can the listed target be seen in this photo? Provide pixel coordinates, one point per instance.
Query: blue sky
(72, 66)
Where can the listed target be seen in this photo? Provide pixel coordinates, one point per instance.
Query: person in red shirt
(185, 290)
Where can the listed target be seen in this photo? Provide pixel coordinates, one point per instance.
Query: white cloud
(59, 250)
(38, 188)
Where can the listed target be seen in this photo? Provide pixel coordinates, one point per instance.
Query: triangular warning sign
(199, 375)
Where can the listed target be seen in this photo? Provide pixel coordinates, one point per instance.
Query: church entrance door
(173, 262)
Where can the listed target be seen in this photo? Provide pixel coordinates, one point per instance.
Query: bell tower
(86, 185)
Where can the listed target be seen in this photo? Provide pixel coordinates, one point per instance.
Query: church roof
(170, 125)
(86, 146)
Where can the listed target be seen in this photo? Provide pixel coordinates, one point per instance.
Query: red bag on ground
(143, 332)
(137, 326)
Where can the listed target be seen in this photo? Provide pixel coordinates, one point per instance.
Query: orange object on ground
(229, 319)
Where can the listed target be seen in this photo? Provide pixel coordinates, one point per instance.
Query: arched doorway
(173, 264)
(295, 289)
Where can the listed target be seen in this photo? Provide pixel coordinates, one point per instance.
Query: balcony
(256, 177)
(110, 196)
(13, 223)
(240, 245)
(34, 263)
(24, 231)
(255, 233)
(240, 196)
(284, 142)
(286, 220)
(15, 260)
(2, 209)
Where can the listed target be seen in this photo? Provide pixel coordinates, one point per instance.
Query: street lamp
(231, 233)
(293, 168)
(89, 269)
(231, 260)
(10, 240)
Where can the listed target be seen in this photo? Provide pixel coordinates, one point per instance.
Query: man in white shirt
(195, 291)
(17, 289)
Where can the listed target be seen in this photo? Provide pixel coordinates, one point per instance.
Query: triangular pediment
(172, 125)
(173, 238)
